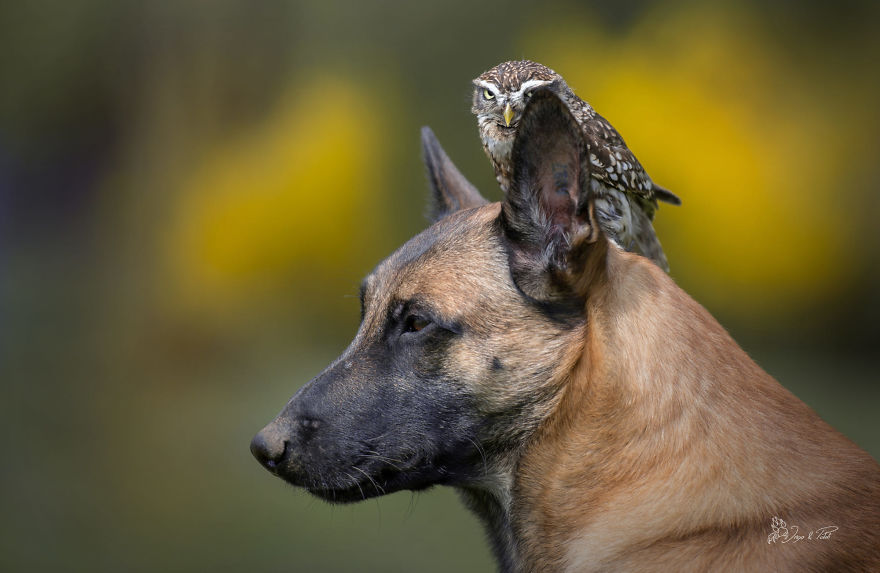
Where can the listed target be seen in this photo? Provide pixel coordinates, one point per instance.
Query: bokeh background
(190, 193)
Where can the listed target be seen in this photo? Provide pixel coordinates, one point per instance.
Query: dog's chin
(345, 495)
(358, 484)
(370, 487)
(363, 491)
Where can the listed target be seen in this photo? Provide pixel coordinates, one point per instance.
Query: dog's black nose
(268, 447)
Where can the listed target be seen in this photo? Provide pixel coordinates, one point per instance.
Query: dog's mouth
(357, 492)
(365, 478)
(358, 484)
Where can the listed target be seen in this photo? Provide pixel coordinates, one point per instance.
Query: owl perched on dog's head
(626, 198)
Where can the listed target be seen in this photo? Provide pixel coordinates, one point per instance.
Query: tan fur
(671, 450)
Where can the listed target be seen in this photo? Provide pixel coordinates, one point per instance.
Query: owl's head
(500, 94)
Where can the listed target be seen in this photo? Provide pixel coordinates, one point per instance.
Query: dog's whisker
(390, 461)
(357, 483)
(377, 486)
(482, 453)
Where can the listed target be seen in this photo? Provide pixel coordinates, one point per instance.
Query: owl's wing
(616, 166)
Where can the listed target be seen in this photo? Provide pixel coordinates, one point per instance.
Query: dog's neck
(661, 389)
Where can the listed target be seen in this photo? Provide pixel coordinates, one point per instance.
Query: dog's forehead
(458, 257)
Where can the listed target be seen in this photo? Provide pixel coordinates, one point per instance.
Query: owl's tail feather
(646, 241)
(665, 195)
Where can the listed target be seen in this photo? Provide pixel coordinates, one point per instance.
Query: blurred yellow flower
(289, 193)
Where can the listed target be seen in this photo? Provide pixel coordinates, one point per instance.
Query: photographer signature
(785, 533)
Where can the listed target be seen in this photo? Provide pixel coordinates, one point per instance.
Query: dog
(592, 414)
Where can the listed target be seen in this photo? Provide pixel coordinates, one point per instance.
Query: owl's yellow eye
(488, 95)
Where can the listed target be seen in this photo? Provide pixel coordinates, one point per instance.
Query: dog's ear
(548, 214)
(451, 191)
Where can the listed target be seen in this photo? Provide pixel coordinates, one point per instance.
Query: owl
(625, 197)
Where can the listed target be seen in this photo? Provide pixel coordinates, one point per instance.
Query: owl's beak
(508, 115)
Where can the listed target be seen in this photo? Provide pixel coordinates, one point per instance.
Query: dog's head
(467, 334)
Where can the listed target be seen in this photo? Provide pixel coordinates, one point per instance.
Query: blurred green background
(190, 193)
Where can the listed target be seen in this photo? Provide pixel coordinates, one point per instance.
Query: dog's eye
(415, 323)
